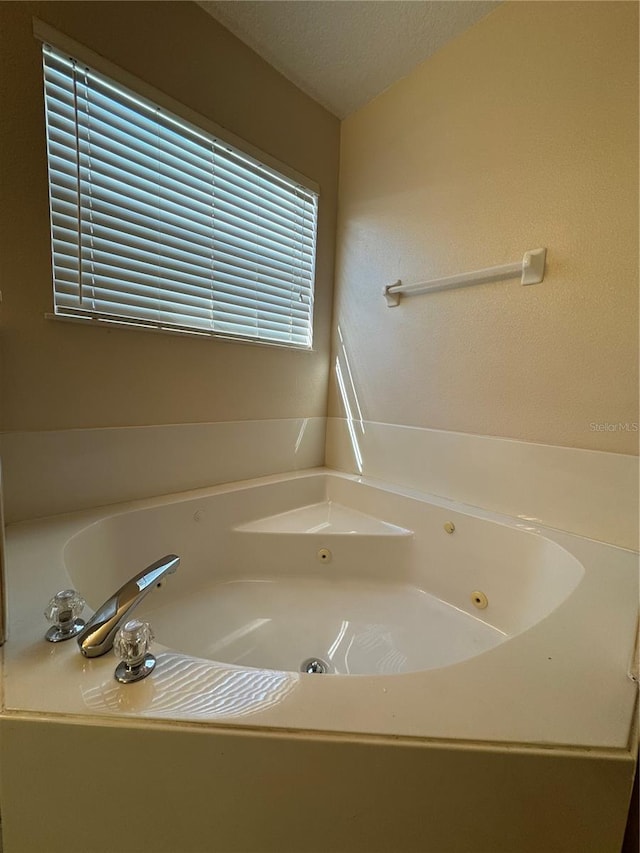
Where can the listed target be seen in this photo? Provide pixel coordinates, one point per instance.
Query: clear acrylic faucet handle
(131, 645)
(63, 611)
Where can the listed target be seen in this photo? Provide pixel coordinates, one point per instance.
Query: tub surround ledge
(587, 492)
(56, 471)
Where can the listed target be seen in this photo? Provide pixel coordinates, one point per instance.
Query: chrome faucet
(99, 633)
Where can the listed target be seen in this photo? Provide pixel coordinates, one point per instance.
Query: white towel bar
(531, 268)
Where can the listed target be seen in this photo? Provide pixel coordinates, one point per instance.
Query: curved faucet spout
(99, 633)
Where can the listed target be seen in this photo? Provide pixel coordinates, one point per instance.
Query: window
(158, 223)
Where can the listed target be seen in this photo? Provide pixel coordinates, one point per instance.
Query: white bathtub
(360, 574)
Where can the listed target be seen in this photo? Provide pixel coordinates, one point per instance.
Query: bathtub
(435, 621)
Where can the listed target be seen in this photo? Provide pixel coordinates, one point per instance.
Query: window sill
(168, 330)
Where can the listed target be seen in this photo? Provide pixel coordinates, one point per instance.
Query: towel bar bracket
(393, 299)
(533, 266)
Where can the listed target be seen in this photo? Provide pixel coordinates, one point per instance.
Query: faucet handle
(131, 644)
(63, 611)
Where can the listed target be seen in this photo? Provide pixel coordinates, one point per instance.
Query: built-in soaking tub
(431, 619)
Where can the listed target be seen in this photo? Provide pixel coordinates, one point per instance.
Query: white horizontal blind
(155, 222)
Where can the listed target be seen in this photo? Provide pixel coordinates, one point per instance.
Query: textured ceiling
(345, 52)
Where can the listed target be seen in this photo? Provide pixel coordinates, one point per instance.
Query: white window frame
(267, 290)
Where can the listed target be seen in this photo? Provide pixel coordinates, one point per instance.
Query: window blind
(158, 223)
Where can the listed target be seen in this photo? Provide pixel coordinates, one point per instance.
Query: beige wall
(59, 375)
(521, 133)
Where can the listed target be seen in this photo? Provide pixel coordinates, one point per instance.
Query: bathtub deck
(561, 682)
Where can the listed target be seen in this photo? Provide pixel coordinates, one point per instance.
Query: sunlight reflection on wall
(303, 429)
(350, 402)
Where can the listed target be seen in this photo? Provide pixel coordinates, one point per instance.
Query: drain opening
(314, 666)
